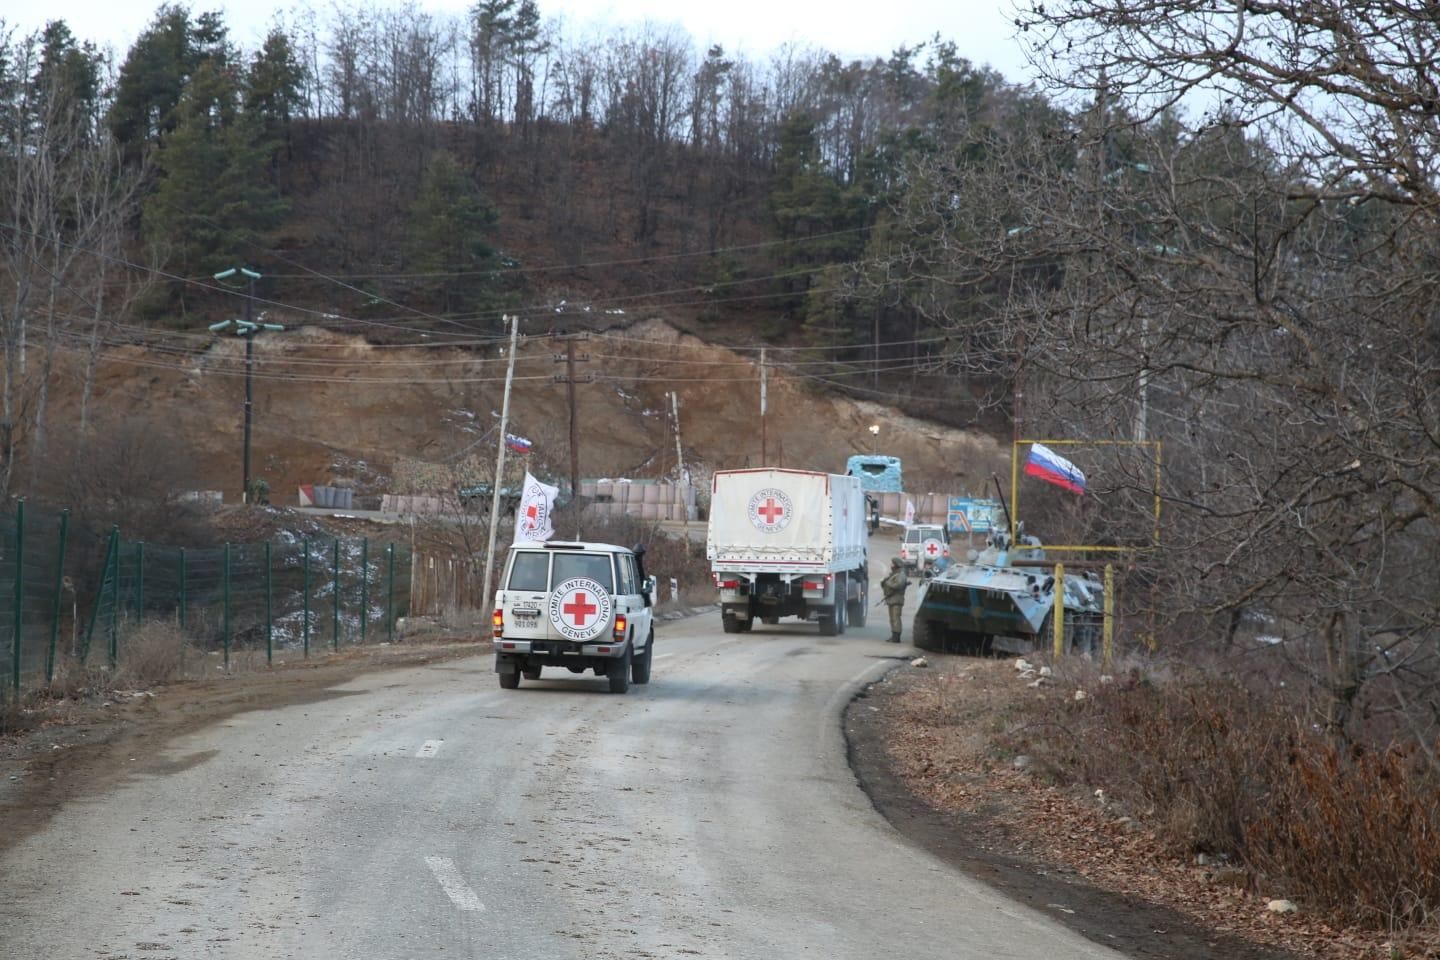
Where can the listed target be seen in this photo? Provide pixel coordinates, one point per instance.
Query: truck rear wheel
(531, 673)
(510, 681)
(859, 609)
(734, 624)
(829, 624)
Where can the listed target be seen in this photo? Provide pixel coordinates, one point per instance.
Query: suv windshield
(529, 570)
(596, 566)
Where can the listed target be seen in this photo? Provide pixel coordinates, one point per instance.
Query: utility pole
(246, 328)
(679, 455)
(569, 378)
(764, 450)
(499, 465)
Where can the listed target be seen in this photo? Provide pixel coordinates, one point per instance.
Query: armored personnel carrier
(1006, 592)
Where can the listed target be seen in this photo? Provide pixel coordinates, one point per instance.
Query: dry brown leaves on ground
(944, 726)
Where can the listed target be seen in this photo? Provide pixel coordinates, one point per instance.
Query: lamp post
(246, 328)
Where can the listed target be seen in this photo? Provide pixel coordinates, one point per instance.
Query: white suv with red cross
(576, 605)
(925, 548)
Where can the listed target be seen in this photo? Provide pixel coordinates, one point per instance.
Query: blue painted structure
(878, 473)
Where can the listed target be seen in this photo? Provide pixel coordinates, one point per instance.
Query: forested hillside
(1204, 250)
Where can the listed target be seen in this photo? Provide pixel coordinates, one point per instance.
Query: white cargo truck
(788, 543)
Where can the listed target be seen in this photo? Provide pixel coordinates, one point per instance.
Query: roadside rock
(1282, 906)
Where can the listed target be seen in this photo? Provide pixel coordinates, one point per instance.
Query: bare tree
(1257, 289)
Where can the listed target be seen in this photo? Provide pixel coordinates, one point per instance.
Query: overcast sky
(851, 28)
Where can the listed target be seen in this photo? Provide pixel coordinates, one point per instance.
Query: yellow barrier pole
(1109, 628)
(1014, 491)
(1058, 611)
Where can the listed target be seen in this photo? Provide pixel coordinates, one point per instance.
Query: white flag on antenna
(909, 512)
(532, 517)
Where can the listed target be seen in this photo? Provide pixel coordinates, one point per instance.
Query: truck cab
(576, 605)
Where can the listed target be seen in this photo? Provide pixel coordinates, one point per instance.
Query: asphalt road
(426, 813)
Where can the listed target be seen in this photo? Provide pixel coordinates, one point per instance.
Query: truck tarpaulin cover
(786, 516)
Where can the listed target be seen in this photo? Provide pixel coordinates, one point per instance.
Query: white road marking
(453, 884)
(662, 656)
(429, 748)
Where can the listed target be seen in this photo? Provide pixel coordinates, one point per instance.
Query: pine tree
(447, 232)
(213, 205)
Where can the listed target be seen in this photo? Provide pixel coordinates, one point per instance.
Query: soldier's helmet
(895, 562)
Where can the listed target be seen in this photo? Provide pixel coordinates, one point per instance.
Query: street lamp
(246, 328)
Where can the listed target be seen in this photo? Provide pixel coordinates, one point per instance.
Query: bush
(1219, 768)
(1359, 829)
(153, 652)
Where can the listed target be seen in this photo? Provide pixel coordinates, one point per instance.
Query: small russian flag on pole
(517, 444)
(1052, 468)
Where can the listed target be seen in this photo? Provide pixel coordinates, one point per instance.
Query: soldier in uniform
(893, 587)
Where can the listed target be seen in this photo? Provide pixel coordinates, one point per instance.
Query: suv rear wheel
(640, 668)
(619, 672)
(510, 681)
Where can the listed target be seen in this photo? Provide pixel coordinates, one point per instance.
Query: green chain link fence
(285, 596)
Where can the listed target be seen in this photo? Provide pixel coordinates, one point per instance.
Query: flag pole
(499, 465)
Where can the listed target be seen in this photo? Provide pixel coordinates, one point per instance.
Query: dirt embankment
(333, 407)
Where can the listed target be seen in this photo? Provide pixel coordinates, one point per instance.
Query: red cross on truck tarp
(771, 510)
(578, 609)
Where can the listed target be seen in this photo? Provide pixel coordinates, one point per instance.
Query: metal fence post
(390, 593)
(182, 590)
(305, 575)
(59, 592)
(335, 629)
(1058, 613)
(226, 613)
(114, 596)
(1109, 642)
(269, 611)
(139, 581)
(364, 585)
(19, 592)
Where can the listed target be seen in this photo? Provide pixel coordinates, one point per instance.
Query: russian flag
(518, 444)
(1048, 466)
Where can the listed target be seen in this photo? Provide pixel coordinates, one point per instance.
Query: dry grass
(155, 652)
(1217, 768)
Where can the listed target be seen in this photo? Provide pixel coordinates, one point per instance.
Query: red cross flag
(532, 517)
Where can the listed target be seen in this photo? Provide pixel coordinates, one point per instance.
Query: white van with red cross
(578, 606)
(925, 548)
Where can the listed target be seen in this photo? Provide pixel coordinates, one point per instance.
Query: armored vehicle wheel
(927, 634)
(618, 672)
